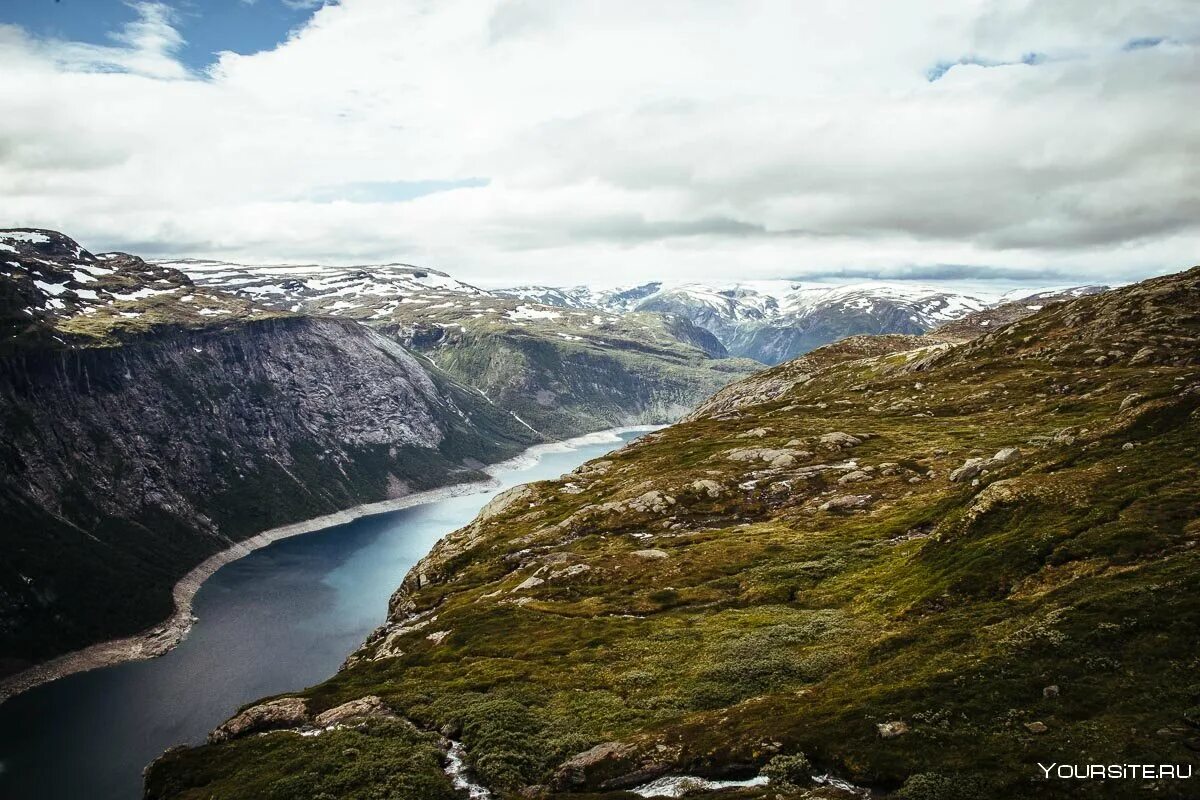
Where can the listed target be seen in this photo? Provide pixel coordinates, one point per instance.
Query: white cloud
(624, 140)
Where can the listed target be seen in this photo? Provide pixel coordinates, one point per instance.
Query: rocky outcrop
(286, 712)
(973, 467)
(369, 707)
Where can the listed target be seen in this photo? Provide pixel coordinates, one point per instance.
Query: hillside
(918, 569)
(1007, 311)
(564, 371)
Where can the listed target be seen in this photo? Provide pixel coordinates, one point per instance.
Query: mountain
(147, 423)
(774, 321)
(55, 293)
(913, 566)
(1011, 308)
(561, 369)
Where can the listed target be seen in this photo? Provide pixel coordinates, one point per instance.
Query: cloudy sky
(603, 141)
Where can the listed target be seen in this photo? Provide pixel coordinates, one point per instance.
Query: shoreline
(161, 638)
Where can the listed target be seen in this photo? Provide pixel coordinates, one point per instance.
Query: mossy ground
(766, 625)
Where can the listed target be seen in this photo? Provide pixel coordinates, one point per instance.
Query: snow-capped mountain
(773, 321)
(376, 291)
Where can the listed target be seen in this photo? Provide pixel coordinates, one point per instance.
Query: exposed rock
(707, 487)
(857, 476)
(437, 637)
(846, 502)
(529, 583)
(760, 454)
(970, 468)
(1050, 691)
(1131, 400)
(286, 712)
(652, 501)
(607, 765)
(1006, 455)
(890, 730)
(1036, 727)
(651, 553)
(569, 572)
(181, 426)
(755, 433)
(369, 707)
(838, 441)
(784, 461)
(504, 501)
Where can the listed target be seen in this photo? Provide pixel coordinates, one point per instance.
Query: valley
(871, 564)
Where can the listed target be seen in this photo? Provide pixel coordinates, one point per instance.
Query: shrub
(935, 786)
(788, 772)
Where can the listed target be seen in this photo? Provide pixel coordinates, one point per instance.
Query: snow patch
(529, 312)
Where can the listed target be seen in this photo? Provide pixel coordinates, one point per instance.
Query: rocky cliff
(127, 464)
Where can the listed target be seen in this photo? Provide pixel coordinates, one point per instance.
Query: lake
(280, 619)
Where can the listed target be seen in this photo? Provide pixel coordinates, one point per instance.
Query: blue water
(278, 620)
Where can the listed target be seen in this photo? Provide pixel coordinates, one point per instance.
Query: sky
(613, 141)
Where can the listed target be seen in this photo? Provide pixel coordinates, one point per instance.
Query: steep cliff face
(125, 466)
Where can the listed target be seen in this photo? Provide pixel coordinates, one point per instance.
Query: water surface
(282, 618)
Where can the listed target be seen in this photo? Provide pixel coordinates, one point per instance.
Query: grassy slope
(774, 626)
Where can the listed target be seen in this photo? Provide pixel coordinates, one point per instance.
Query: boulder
(890, 730)
(596, 762)
(651, 553)
(707, 487)
(1005, 455)
(846, 502)
(838, 441)
(761, 454)
(857, 476)
(286, 712)
(970, 469)
(529, 583)
(652, 501)
(369, 707)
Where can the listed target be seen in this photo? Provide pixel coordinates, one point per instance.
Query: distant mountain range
(774, 321)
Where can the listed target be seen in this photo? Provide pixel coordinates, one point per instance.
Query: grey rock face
(125, 466)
